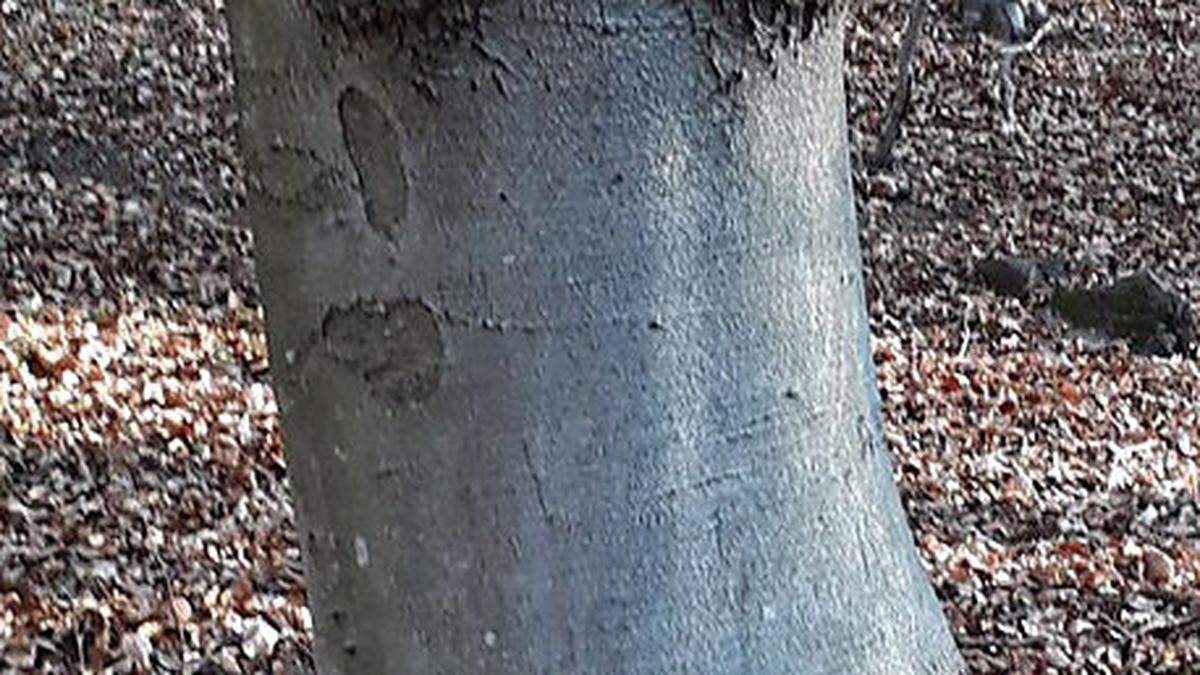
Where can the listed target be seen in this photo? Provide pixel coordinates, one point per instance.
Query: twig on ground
(903, 92)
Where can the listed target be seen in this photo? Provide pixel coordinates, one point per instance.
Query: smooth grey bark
(567, 324)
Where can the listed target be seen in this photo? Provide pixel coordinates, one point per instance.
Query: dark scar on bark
(395, 347)
(376, 149)
(790, 19)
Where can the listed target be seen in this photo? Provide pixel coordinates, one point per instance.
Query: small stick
(1030, 44)
(903, 93)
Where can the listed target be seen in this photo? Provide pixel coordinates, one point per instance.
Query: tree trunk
(568, 331)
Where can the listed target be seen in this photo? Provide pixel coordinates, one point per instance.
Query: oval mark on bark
(375, 148)
(292, 175)
(395, 347)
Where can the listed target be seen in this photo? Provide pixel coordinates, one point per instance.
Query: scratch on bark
(750, 429)
(498, 324)
(867, 439)
(492, 56)
(537, 485)
(701, 485)
(490, 324)
(862, 550)
(719, 535)
(603, 14)
(501, 87)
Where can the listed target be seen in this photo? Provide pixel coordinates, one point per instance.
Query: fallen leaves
(144, 516)
(1050, 476)
(147, 511)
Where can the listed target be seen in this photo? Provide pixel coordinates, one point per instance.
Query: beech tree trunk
(567, 326)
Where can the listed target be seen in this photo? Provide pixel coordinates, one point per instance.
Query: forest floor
(1052, 479)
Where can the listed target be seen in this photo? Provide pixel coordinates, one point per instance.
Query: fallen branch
(1032, 43)
(1175, 629)
(903, 93)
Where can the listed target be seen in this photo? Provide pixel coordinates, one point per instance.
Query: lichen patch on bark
(355, 24)
(376, 149)
(395, 347)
